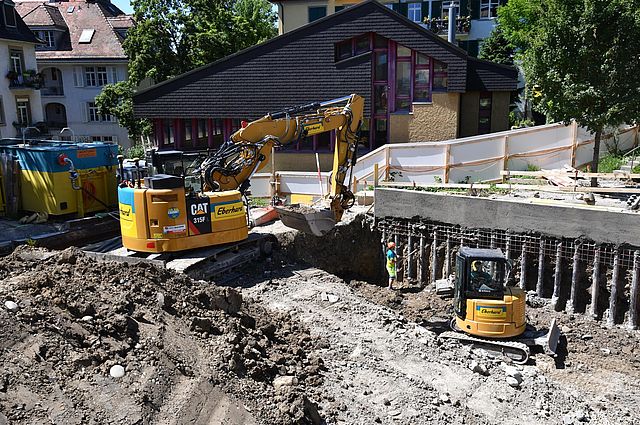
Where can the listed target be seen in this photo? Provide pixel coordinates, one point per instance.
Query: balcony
(52, 91)
(440, 26)
(26, 80)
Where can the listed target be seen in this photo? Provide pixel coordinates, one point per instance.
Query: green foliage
(610, 162)
(636, 169)
(259, 202)
(517, 22)
(584, 59)
(532, 167)
(135, 151)
(497, 48)
(175, 36)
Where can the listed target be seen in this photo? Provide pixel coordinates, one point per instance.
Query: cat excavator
(163, 220)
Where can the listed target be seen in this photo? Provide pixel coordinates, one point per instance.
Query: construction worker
(481, 281)
(391, 263)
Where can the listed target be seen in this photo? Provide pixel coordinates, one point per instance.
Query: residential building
(81, 53)
(19, 94)
(417, 86)
(475, 18)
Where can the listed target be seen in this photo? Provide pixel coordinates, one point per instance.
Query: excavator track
(516, 351)
(202, 263)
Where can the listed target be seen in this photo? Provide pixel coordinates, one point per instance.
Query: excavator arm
(249, 150)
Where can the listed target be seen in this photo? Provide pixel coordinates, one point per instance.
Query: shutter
(112, 75)
(436, 9)
(85, 111)
(464, 8)
(475, 9)
(425, 10)
(403, 9)
(78, 76)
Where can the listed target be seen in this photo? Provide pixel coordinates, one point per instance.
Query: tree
(585, 61)
(517, 21)
(497, 48)
(175, 36)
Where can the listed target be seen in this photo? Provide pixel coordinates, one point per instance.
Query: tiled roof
(483, 75)
(77, 16)
(296, 67)
(20, 33)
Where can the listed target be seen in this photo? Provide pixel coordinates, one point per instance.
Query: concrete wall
(572, 222)
(437, 120)
(9, 95)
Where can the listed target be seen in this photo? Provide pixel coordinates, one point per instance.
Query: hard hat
(391, 245)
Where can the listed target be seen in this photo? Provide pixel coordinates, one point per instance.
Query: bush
(135, 151)
(610, 162)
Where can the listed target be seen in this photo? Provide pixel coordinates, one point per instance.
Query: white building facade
(19, 95)
(80, 54)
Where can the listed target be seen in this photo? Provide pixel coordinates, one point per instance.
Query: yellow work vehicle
(489, 313)
(163, 216)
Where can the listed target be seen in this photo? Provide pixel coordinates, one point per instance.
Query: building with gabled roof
(416, 85)
(81, 53)
(19, 94)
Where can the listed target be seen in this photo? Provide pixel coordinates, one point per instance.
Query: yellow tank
(164, 218)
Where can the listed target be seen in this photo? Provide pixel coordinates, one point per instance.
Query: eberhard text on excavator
(160, 215)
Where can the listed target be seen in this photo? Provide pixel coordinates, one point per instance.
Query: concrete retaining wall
(601, 226)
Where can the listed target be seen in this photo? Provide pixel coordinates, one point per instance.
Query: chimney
(452, 22)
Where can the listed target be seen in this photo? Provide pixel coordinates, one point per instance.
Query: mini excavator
(488, 312)
(161, 215)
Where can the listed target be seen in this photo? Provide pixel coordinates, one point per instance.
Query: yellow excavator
(490, 313)
(160, 215)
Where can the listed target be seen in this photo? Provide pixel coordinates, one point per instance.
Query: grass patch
(610, 162)
(259, 202)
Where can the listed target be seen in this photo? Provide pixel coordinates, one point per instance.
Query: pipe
(523, 267)
(451, 36)
(595, 283)
(573, 299)
(540, 283)
(635, 293)
(615, 283)
(557, 278)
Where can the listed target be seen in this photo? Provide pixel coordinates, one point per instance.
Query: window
(439, 76)
(102, 139)
(343, 50)
(317, 12)
(94, 115)
(17, 61)
(188, 132)
(380, 42)
(421, 79)
(381, 70)
(218, 132)
(362, 44)
(380, 99)
(414, 12)
(402, 51)
(48, 38)
(484, 113)
(86, 36)
(2, 118)
(23, 108)
(445, 8)
(488, 8)
(403, 78)
(202, 133)
(95, 76)
(9, 15)
(169, 135)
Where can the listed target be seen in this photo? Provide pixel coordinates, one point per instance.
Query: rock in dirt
(116, 371)
(11, 306)
(514, 382)
(284, 381)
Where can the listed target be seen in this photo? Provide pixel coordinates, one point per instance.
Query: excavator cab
(484, 305)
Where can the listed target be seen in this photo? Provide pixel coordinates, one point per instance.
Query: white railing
(469, 159)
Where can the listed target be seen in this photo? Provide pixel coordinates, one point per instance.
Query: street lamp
(73, 134)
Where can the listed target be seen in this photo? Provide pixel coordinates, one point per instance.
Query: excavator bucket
(307, 219)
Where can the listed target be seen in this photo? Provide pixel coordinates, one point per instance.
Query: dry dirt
(300, 338)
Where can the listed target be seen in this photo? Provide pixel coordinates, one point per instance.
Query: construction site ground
(310, 335)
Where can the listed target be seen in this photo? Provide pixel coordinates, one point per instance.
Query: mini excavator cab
(484, 305)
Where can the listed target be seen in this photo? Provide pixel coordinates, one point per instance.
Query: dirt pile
(189, 351)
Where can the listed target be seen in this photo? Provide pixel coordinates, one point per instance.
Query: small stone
(333, 298)
(587, 336)
(444, 398)
(11, 306)
(605, 351)
(566, 329)
(514, 382)
(478, 368)
(386, 402)
(395, 412)
(87, 318)
(284, 381)
(116, 371)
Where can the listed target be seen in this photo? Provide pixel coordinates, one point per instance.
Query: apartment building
(475, 18)
(19, 91)
(81, 52)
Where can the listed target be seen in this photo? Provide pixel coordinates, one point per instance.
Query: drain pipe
(452, 22)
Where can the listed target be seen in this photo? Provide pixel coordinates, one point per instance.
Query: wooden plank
(581, 174)
(543, 188)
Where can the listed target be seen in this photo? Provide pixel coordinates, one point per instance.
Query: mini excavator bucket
(307, 219)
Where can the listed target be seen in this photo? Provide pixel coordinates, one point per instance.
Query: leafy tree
(497, 48)
(518, 22)
(585, 61)
(175, 36)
